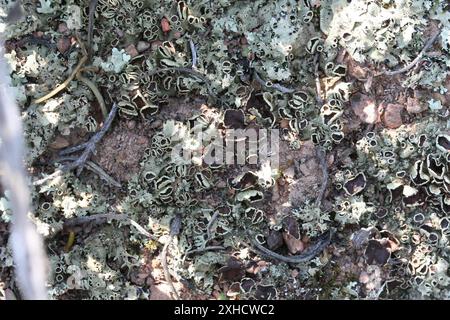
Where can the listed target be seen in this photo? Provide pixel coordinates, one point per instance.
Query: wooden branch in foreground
(27, 246)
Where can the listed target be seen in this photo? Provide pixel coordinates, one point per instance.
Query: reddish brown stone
(413, 105)
(392, 117)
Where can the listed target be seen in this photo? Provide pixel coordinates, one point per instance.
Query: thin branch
(89, 148)
(317, 80)
(92, 166)
(27, 246)
(415, 61)
(92, 6)
(193, 53)
(175, 227)
(322, 242)
(103, 217)
(323, 164)
(91, 85)
(210, 224)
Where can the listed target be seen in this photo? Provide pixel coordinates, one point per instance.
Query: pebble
(62, 28)
(142, 46)
(131, 50)
(156, 124)
(364, 277)
(413, 105)
(392, 117)
(131, 124)
(59, 143)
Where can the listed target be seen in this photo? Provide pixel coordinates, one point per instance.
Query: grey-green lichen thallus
(357, 207)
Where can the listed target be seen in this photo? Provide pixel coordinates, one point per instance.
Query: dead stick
(415, 61)
(323, 164)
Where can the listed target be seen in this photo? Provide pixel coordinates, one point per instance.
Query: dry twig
(92, 6)
(175, 228)
(322, 241)
(317, 80)
(27, 246)
(323, 164)
(63, 85)
(101, 218)
(193, 53)
(88, 147)
(415, 61)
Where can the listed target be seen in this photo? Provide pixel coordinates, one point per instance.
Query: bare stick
(317, 80)
(89, 148)
(323, 164)
(92, 6)
(174, 230)
(27, 246)
(209, 248)
(210, 224)
(193, 53)
(323, 241)
(415, 61)
(92, 166)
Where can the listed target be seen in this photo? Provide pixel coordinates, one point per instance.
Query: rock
(161, 291)
(131, 50)
(165, 25)
(355, 70)
(413, 105)
(63, 44)
(365, 108)
(131, 124)
(233, 271)
(392, 117)
(59, 143)
(234, 119)
(155, 44)
(377, 252)
(142, 46)
(156, 124)
(274, 240)
(62, 28)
